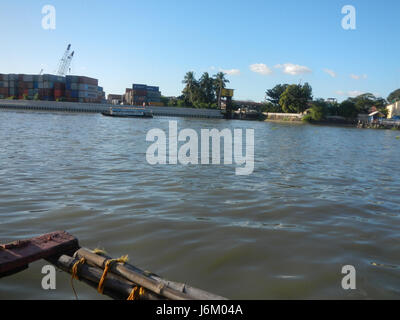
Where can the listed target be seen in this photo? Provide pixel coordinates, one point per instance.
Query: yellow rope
(135, 294)
(107, 266)
(74, 272)
(100, 252)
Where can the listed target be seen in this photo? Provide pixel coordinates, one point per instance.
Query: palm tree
(191, 83)
(219, 82)
(206, 84)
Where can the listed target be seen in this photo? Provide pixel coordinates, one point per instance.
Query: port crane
(65, 61)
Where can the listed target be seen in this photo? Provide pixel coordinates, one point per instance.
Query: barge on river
(128, 112)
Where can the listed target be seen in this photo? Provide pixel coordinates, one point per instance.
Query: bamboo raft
(113, 277)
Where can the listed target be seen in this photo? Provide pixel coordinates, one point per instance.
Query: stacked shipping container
(139, 94)
(50, 87)
(4, 86)
(101, 95)
(9, 86)
(83, 89)
(153, 94)
(143, 93)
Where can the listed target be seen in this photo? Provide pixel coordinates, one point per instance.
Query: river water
(319, 198)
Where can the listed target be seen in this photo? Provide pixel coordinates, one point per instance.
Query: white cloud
(293, 69)
(231, 72)
(352, 94)
(260, 68)
(358, 77)
(355, 93)
(330, 72)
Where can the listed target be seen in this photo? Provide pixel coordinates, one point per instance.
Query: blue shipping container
(152, 88)
(139, 86)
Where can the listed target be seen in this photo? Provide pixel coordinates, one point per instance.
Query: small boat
(115, 278)
(128, 112)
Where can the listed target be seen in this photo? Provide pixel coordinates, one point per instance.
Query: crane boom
(65, 61)
(68, 62)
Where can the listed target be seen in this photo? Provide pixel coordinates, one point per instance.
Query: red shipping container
(87, 80)
(23, 85)
(140, 92)
(58, 93)
(46, 92)
(59, 86)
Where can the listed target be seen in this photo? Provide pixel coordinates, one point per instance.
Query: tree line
(283, 98)
(297, 98)
(202, 93)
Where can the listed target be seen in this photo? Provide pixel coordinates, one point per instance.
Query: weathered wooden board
(18, 254)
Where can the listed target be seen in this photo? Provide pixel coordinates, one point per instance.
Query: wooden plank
(19, 254)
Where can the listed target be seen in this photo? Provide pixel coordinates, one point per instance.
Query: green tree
(317, 111)
(201, 93)
(206, 84)
(348, 109)
(181, 103)
(295, 98)
(190, 86)
(164, 100)
(394, 96)
(270, 107)
(274, 95)
(332, 108)
(366, 101)
(219, 83)
(172, 102)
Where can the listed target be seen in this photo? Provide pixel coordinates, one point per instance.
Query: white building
(393, 109)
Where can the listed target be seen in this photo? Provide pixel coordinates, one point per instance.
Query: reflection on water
(319, 198)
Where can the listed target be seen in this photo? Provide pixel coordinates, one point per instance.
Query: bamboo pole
(137, 277)
(114, 286)
(192, 292)
(135, 274)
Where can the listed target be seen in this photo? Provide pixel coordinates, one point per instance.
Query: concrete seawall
(98, 108)
(283, 116)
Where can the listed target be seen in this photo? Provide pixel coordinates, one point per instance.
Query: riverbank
(99, 108)
(392, 125)
(291, 117)
(294, 118)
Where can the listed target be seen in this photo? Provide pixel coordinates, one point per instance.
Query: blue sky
(260, 43)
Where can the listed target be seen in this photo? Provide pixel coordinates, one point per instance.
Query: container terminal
(48, 87)
(78, 93)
